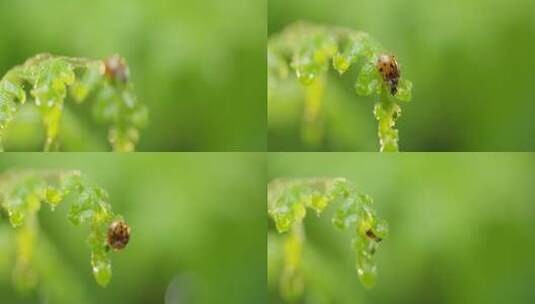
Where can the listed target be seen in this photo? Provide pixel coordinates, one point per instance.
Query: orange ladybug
(118, 235)
(389, 69)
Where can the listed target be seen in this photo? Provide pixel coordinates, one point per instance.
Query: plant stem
(292, 284)
(24, 277)
(312, 130)
(51, 119)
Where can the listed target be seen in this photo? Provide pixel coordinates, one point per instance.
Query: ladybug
(118, 235)
(115, 68)
(371, 235)
(389, 69)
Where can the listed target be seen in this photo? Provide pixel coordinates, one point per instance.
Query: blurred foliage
(197, 219)
(310, 49)
(288, 200)
(471, 62)
(47, 78)
(198, 66)
(460, 228)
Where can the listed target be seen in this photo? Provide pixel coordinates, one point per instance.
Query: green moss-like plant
(289, 200)
(47, 79)
(22, 194)
(310, 49)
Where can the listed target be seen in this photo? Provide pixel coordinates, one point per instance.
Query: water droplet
(340, 63)
(101, 269)
(367, 276)
(16, 217)
(282, 218)
(305, 78)
(318, 202)
(53, 197)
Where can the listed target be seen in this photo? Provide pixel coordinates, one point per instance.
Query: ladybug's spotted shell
(389, 69)
(118, 235)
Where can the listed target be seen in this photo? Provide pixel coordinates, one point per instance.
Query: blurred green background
(199, 66)
(471, 63)
(461, 228)
(197, 230)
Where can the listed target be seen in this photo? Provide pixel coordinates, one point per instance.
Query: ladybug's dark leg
(395, 88)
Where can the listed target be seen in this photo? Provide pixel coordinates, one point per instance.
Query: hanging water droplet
(367, 276)
(282, 218)
(53, 197)
(304, 77)
(340, 63)
(16, 217)
(101, 269)
(318, 202)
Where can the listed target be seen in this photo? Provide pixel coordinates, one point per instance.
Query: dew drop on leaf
(304, 76)
(318, 202)
(367, 276)
(282, 218)
(53, 197)
(16, 217)
(340, 63)
(101, 268)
